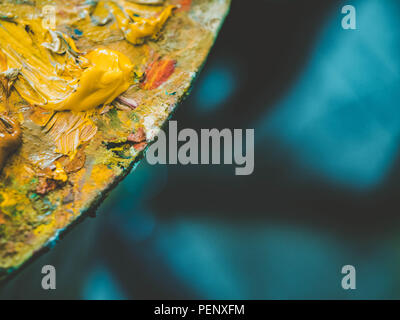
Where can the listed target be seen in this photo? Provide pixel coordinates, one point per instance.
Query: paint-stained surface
(71, 156)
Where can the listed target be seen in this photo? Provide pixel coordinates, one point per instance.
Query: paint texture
(75, 99)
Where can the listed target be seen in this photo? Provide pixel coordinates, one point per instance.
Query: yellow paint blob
(137, 28)
(106, 77)
(8, 200)
(59, 173)
(55, 75)
(50, 72)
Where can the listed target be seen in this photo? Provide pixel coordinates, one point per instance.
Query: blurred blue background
(324, 103)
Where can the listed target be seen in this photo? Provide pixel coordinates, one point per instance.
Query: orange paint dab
(157, 73)
(185, 5)
(140, 146)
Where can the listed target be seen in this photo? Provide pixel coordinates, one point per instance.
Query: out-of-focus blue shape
(215, 87)
(342, 118)
(135, 189)
(100, 285)
(137, 225)
(129, 217)
(201, 256)
(270, 262)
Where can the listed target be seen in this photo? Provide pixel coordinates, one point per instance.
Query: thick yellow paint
(8, 200)
(67, 79)
(105, 78)
(59, 173)
(62, 81)
(136, 28)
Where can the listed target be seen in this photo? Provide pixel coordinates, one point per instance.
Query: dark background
(324, 105)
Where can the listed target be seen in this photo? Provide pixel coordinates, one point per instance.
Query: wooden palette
(46, 185)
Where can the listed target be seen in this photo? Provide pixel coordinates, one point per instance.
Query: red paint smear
(138, 136)
(140, 146)
(184, 4)
(157, 73)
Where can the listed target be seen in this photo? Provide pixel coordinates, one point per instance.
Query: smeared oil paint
(158, 72)
(137, 22)
(68, 159)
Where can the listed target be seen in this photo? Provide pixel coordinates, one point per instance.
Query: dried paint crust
(42, 192)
